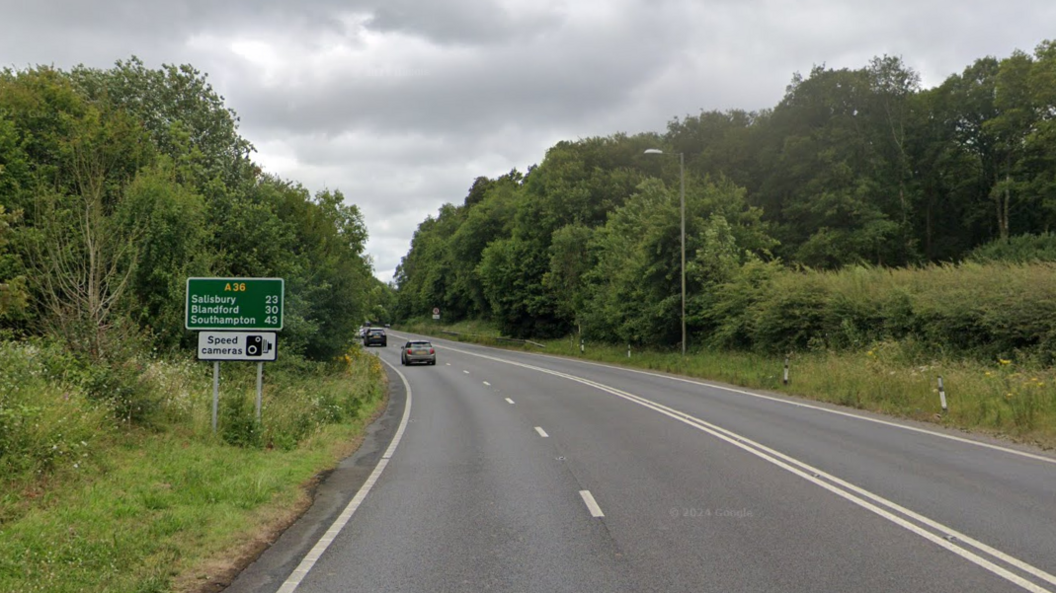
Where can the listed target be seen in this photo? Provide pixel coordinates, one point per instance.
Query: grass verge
(173, 507)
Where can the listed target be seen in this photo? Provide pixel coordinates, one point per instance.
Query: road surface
(507, 471)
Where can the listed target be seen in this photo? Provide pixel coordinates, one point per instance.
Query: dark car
(418, 351)
(375, 336)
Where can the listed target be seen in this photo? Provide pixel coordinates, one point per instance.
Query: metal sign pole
(260, 385)
(216, 391)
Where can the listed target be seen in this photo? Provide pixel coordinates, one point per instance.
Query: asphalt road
(517, 472)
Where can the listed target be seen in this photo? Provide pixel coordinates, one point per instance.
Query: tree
(83, 261)
(185, 118)
(828, 174)
(13, 294)
(169, 222)
(1009, 128)
(570, 262)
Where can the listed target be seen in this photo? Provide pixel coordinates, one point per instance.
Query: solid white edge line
(815, 475)
(790, 402)
(508, 400)
(306, 565)
(541, 432)
(592, 505)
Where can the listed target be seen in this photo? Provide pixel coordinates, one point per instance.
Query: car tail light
(409, 351)
(431, 351)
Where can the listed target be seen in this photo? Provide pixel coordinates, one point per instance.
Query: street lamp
(682, 199)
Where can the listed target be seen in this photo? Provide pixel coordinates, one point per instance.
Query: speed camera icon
(257, 345)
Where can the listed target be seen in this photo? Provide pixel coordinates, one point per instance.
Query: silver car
(418, 351)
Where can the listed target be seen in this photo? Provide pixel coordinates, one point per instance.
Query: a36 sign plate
(234, 304)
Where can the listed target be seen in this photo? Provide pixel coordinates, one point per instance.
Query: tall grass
(89, 502)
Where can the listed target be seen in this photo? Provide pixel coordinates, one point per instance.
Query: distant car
(362, 331)
(375, 336)
(418, 351)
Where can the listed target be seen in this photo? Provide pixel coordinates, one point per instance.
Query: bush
(1019, 249)
(239, 426)
(983, 311)
(46, 422)
(121, 385)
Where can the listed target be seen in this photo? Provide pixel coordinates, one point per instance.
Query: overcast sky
(400, 104)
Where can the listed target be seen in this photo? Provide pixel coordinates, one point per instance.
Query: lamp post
(682, 200)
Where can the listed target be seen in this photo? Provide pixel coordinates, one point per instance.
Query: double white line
(956, 542)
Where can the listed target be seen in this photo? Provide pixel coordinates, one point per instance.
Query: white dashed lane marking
(592, 505)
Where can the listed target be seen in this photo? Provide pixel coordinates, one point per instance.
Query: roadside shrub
(1019, 249)
(977, 310)
(122, 386)
(46, 423)
(732, 309)
(793, 317)
(238, 424)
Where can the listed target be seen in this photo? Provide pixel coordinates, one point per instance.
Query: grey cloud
(425, 96)
(569, 78)
(458, 23)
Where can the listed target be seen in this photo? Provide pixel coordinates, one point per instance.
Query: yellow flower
(1003, 361)
(988, 374)
(870, 353)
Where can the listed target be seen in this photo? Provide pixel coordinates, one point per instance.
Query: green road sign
(234, 304)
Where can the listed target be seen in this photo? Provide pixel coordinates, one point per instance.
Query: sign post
(436, 313)
(236, 319)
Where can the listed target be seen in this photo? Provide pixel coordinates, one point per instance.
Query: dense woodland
(118, 184)
(855, 170)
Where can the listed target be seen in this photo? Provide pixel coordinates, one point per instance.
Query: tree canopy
(118, 184)
(852, 167)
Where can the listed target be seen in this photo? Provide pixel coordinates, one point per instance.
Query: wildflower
(988, 374)
(870, 353)
(1003, 361)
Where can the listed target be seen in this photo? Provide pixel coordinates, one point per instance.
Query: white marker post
(785, 381)
(942, 396)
